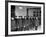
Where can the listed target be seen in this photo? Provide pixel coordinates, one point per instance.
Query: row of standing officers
(31, 22)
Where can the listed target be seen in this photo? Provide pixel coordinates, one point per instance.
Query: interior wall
(20, 11)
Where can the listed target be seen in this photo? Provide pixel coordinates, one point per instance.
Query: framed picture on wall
(24, 18)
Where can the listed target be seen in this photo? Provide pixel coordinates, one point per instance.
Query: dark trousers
(36, 27)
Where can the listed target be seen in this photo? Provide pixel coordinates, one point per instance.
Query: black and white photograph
(25, 18)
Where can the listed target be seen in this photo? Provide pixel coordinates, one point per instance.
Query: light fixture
(20, 7)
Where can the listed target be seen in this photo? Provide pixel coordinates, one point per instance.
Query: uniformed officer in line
(36, 23)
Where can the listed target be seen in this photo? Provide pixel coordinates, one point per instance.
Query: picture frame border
(6, 18)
